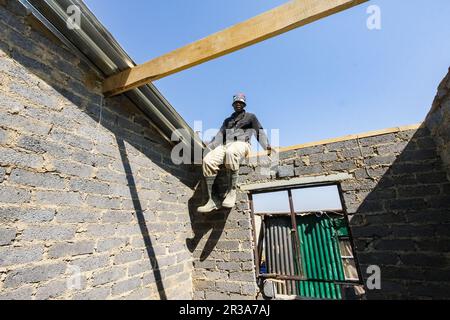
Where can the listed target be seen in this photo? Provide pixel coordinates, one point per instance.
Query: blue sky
(328, 79)
(308, 199)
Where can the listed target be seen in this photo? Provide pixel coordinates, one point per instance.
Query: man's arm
(260, 134)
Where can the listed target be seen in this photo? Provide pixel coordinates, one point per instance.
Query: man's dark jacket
(240, 127)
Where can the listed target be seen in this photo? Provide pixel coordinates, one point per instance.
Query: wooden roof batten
(284, 18)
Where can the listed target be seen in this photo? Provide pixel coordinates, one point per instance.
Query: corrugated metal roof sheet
(97, 46)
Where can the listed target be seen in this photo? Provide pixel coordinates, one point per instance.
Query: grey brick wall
(438, 121)
(82, 184)
(223, 252)
(398, 200)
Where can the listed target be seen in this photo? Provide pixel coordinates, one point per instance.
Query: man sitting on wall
(229, 147)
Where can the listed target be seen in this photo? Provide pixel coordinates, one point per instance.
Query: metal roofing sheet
(94, 43)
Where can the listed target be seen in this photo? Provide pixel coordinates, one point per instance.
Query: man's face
(238, 106)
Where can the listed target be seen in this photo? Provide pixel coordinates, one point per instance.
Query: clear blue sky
(331, 78)
(308, 199)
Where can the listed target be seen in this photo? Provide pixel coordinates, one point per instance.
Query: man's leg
(235, 152)
(211, 166)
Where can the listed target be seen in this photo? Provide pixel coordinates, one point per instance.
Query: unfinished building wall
(398, 199)
(223, 253)
(398, 202)
(438, 121)
(86, 185)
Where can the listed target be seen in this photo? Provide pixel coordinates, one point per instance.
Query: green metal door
(321, 258)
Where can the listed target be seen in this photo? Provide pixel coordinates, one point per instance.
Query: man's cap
(239, 97)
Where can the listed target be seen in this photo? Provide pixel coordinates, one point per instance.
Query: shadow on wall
(202, 223)
(141, 219)
(403, 225)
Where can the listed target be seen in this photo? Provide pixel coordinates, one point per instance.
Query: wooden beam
(284, 18)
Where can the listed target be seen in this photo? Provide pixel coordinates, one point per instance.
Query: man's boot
(210, 205)
(230, 199)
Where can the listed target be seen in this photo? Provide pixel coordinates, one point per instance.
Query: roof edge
(367, 134)
(95, 44)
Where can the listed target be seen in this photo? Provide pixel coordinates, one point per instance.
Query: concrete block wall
(438, 121)
(398, 200)
(222, 250)
(85, 184)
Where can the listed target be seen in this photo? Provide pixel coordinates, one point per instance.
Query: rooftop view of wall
(92, 206)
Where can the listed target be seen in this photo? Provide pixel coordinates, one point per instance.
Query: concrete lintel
(295, 182)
